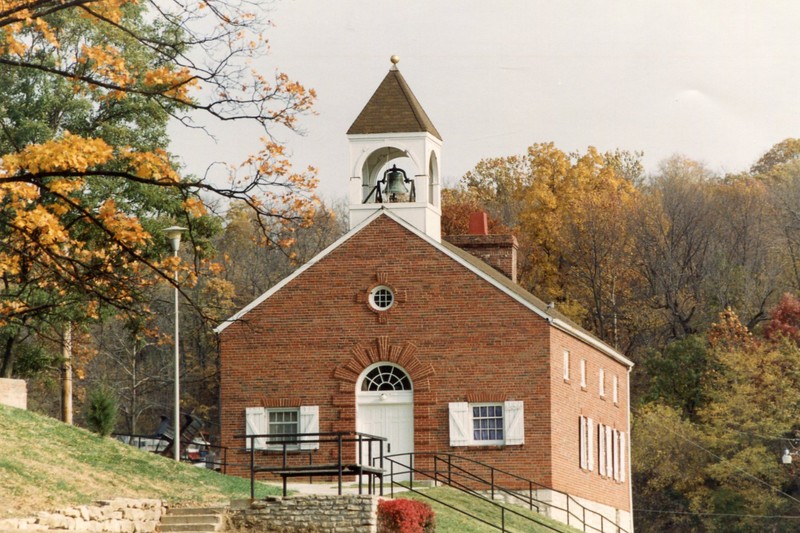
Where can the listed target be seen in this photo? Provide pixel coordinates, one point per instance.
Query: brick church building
(397, 331)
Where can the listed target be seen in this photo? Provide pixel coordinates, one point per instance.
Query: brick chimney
(499, 251)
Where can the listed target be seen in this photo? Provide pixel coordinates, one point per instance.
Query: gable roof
(393, 108)
(467, 260)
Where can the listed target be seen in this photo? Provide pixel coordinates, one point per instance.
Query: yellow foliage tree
(568, 212)
(59, 234)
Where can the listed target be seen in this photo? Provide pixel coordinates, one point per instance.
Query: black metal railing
(481, 480)
(287, 444)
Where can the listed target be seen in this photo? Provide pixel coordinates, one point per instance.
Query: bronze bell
(395, 182)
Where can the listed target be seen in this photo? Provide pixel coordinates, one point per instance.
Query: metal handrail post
(449, 470)
(411, 471)
(252, 467)
(381, 451)
(491, 478)
(339, 443)
(530, 495)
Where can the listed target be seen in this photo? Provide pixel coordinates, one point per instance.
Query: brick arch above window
(403, 355)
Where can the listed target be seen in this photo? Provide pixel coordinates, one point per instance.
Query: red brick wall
(456, 335)
(570, 402)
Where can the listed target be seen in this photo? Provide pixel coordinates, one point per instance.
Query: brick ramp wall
(306, 514)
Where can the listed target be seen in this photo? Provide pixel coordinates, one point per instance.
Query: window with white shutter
(609, 431)
(611, 446)
(281, 421)
(309, 423)
(586, 444)
(255, 421)
(602, 383)
(481, 424)
(615, 439)
(514, 423)
(459, 424)
(583, 373)
(601, 449)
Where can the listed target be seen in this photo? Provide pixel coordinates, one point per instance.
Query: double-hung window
(273, 422)
(283, 422)
(486, 423)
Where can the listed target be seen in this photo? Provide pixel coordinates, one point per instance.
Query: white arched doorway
(385, 407)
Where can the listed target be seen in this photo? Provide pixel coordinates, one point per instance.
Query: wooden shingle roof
(393, 108)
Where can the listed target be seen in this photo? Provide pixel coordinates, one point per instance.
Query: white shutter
(256, 423)
(582, 443)
(514, 422)
(309, 423)
(622, 457)
(459, 424)
(616, 455)
(589, 445)
(601, 449)
(609, 451)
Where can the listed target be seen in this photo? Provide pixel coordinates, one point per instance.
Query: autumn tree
(784, 320)
(250, 266)
(65, 227)
(457, 207)
(728, 449)
(779, 154)
(674, 227)
(568, 212)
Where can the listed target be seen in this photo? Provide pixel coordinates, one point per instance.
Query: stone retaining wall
(120, 515)
(307, 514)
(14, 393)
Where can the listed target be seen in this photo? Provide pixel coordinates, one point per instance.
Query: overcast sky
(717, 81)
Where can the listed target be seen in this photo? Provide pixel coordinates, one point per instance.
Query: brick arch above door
(382, 350)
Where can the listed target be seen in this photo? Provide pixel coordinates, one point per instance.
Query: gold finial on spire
(395, 59)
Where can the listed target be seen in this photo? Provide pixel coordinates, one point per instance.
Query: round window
(381, 298)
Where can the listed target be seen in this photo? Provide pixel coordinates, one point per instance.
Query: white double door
(388, 414)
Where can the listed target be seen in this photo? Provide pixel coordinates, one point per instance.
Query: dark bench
(332, 470)
(283, 443)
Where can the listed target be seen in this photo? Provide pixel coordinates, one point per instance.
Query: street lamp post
(174, 235)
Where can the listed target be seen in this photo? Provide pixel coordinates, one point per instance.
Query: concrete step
(192, 520)
(184, 528)
(194, 510)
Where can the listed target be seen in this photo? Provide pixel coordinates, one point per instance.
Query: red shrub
(405, 516)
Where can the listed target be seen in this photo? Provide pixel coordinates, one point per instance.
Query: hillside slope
(45, 464)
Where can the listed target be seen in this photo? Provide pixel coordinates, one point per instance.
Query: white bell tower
(394, 158)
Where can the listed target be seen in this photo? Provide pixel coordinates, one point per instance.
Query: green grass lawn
(451, 521)
(45, 464)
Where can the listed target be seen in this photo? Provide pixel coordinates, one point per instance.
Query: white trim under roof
(556, 322)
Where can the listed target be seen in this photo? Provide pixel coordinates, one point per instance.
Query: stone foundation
(120, 515)
(14, 393)
(307, 514)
